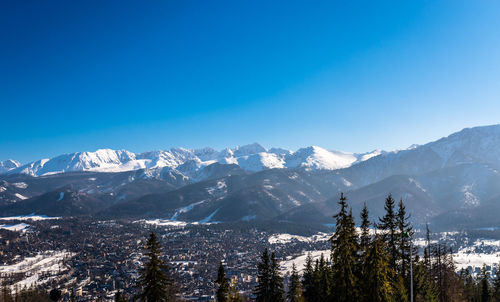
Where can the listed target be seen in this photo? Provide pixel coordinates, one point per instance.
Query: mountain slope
(8, 165)
(250, 158)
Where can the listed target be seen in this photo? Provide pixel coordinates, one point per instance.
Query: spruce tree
(389, 225)
(469, 286)
(378, 274)
(263, 289)
(294, 290)
(364, 242)
(485, 284)
(405, 232)
(153, 280)
(276, 282)
(364, 246)
(322, 280)
(400, 292)
(344, 252)
(308, 280)
(496, 286)
(223, 285)
(424, 288)
(427, 250)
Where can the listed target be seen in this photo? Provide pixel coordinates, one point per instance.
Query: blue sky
(145, 75)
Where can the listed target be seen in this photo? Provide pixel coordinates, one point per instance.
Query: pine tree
(378, 274)
(424, 289)
(485, 284)
(364, 242)
(294, 291)
(263, 289)
(322, 276)
(427, 249)
(364, 246)
(444, 274)
(153, 279)
(223, 285)
(389, 225)
(400, 292)
(308, 280)
(496, 286)
(276, 282)
(405, 232)
(469, 286)
(344, 252)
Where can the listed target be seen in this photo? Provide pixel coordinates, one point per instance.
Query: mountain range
(189, 162)
(452, 182)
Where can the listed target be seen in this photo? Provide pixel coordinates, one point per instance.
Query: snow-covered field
(176, 223)
(29, 217)
(286, 238)
(482, 251)
(163, 222)
(300, 261)
(20, 227)
(47, 263)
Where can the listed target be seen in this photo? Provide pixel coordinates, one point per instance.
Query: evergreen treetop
(153, 279)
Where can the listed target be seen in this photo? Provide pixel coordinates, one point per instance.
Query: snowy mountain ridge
(8, 165)
(471, 145)
(251, 158)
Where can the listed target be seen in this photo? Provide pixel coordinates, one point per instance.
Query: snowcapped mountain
(317, 158)
(8, 165)
(458, 174)
(188, 162)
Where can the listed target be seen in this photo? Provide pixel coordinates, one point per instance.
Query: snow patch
(20, 185)
(300, 261)
(20, 227)
(22, 197)
(208, 219)
(32, 217)
(185, 210)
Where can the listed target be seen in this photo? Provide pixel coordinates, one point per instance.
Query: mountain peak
(248, 149)
(8, 165)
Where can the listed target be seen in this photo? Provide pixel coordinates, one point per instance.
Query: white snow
(20, 185)
(163, 222)
(185, 209)
(300, 261)
(251, 157)
(208, 219)
(22, 197)
(286, 238)
(469, 198)
(29, 217)
(315, 157)
(8, 165)
(219, 189)
(37, 267)
(20, 227)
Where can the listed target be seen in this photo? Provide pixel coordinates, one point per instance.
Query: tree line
(374, 263)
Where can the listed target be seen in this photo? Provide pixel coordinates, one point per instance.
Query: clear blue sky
(145, 75)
